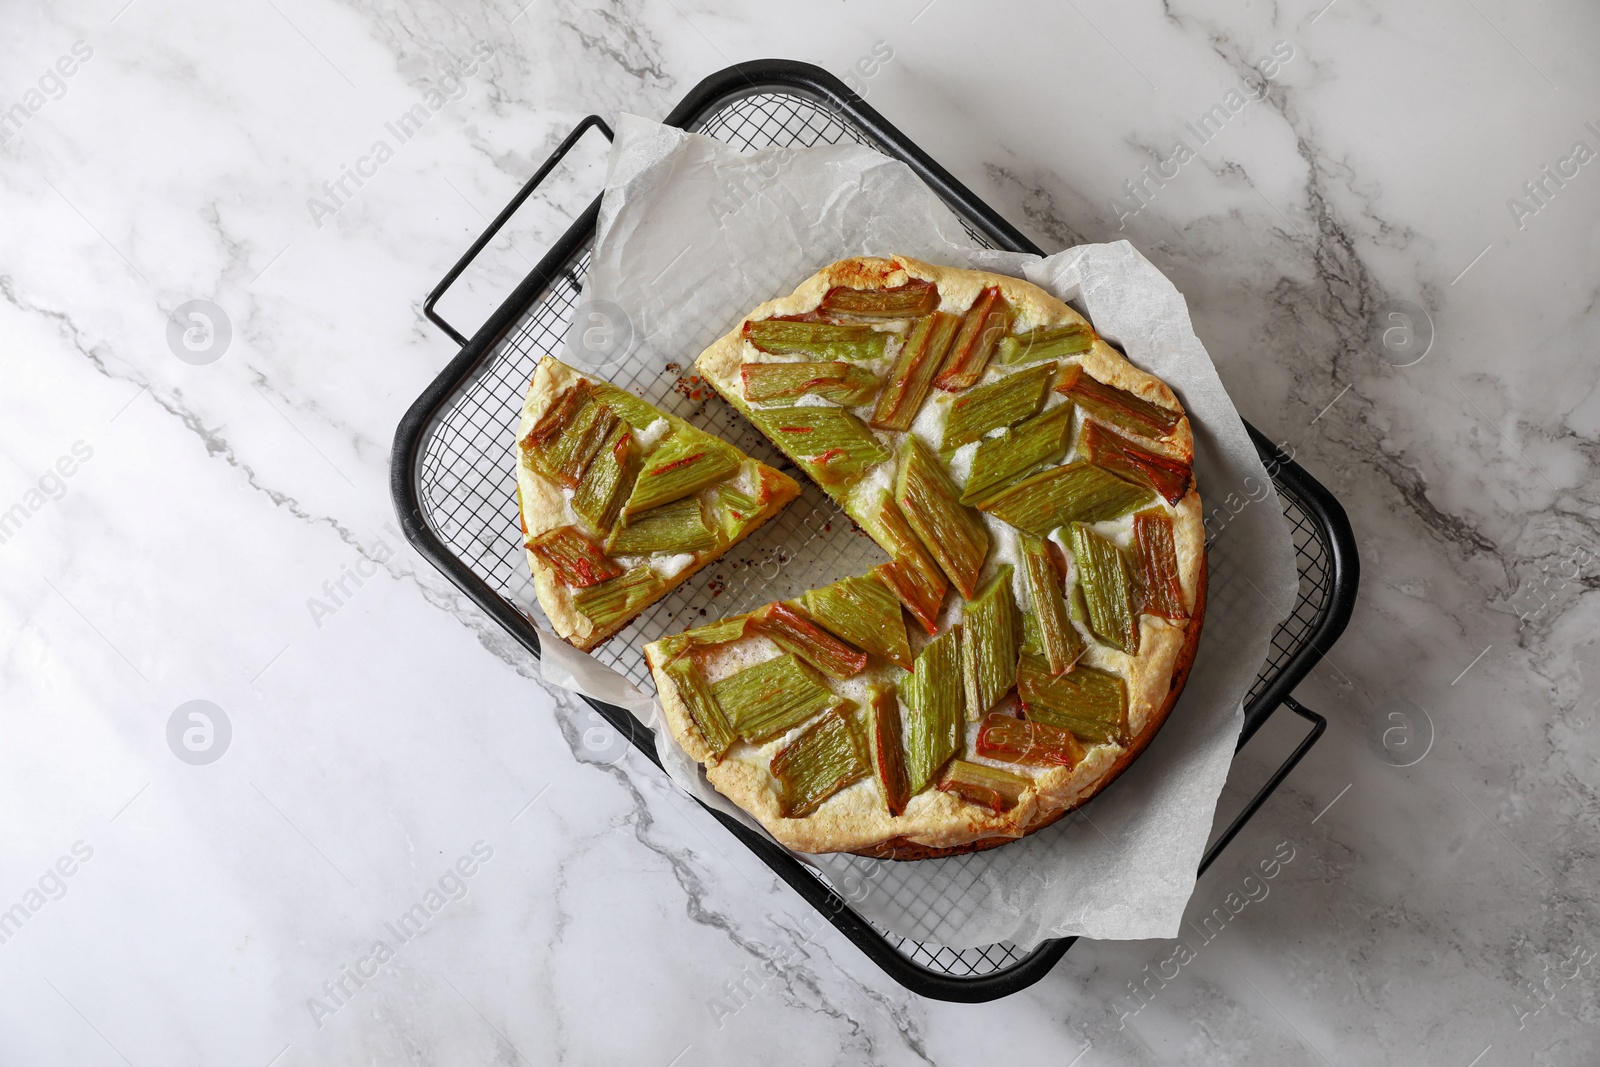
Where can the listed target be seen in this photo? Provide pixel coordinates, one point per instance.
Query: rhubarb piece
(1108, 589)
(1000, 461)
(912, 573)
(1092, 703)
(830, 444)
(997, 790)
(1167, 476)
(608, 481)
(1077, 492)
(886, 747)
(990, 407)
(769, 698)
(1032, 641)
(985, 322)
(669, 529)
(702, 637)
(614, 602)
(682, 465)
(820, 340)
(915, 298)
(906, 388)
(1051, 342)
(781, 384)
(1116, 406)
(827, 756)
(865, 612)
(703, 708)
(559, 415)
(933, 697)
(736, 511)
(634, 412)
(1059, 641)
(989, 627)
(952, 532)
(794, 632)
(1032, 744)
(577, 561)
(565, 457)
(1158, 565)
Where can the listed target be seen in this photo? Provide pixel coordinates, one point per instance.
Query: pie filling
(626, 502)
(1034, 492)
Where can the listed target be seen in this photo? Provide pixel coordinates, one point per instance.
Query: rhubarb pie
(1043, 597)
(621, 503)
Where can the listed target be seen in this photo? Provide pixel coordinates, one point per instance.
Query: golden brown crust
(937, 823)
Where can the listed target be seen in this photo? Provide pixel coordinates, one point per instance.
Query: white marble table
(210, 521)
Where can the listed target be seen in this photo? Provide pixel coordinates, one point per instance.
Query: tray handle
(500, 220)
(1318, 724)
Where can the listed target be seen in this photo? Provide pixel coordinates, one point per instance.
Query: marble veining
(171, 516)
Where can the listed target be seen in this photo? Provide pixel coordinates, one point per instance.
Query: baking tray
(454, 491)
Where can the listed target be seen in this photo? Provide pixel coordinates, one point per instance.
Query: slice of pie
(621, 503)
(1043, 599)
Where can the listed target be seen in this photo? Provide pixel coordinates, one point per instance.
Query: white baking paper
(693, 233)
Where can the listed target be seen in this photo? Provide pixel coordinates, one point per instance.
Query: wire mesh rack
(454, 488)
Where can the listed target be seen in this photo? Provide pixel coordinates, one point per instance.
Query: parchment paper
(692, 234)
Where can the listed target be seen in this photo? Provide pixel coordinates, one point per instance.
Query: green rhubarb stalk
(781, 384)
(830, 444)
(887, 748)
(1076, 492)
(1000, 461)
(1059, 641)
(1032, 744)
(821, 340)
(612, 603)
(997, 790)
(1032, 640)
(696, 695)
(1107, 579)
(608, 481)
(826, 756)
(911, 572)
(1092, 703)
(736, 512)
(635, 412)
(989, 632)
(769, 698)
(683, 464)
(910, 380)
(565, 457)
(1051, 342)
(866, 613)
(1167, 476)
(1001, 403)
(933, 697)
(577, 560)
(1158, 565)
(559, 414)
(1116, 406)
(915, 298)
(795, 632)
(669, 529)
(702, 637)
(985, 322)
(952, 532)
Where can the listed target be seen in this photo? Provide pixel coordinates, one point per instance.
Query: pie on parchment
(1034, 492)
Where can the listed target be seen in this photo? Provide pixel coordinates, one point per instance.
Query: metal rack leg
(1318, 724)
